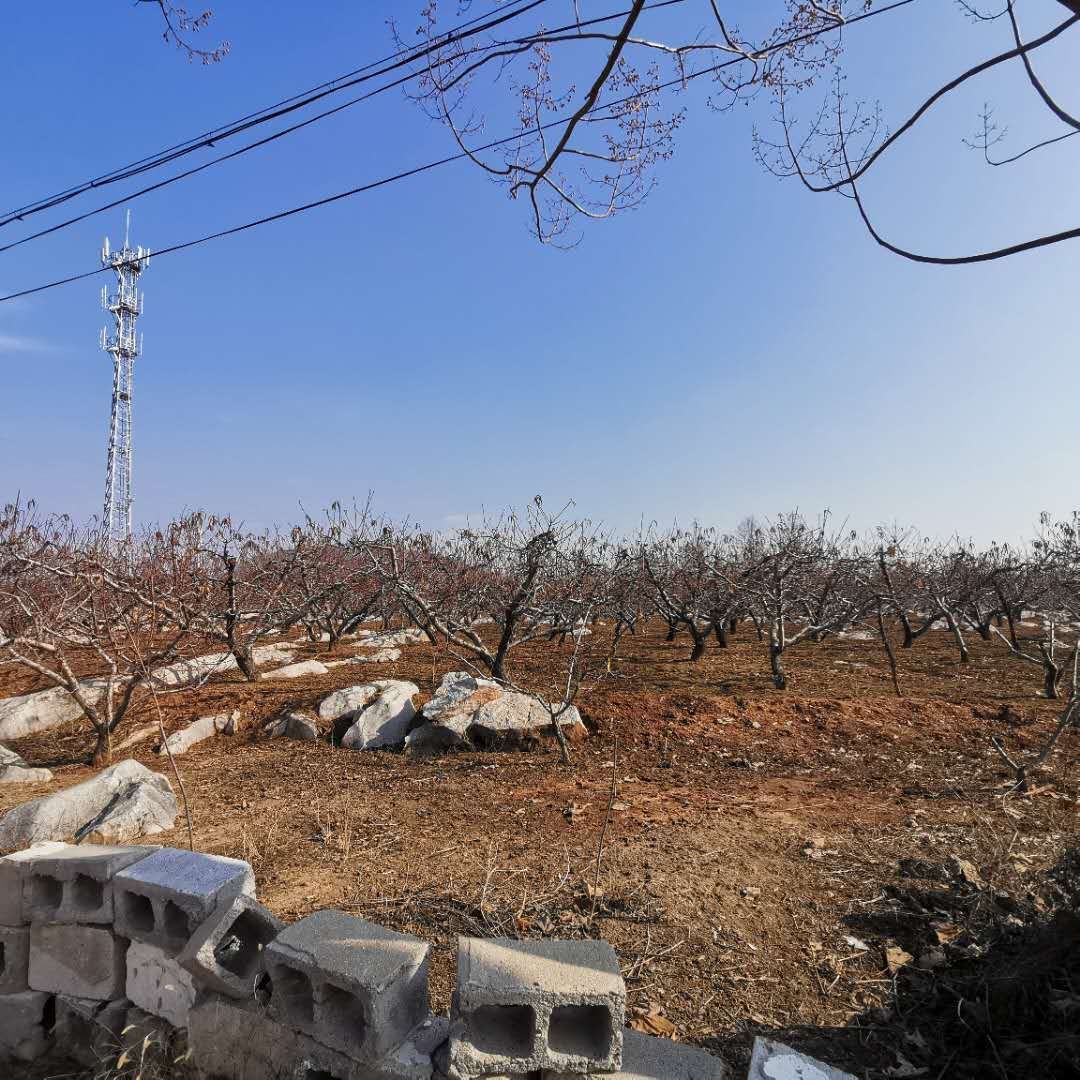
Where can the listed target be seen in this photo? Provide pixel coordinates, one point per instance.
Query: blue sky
(734, 347)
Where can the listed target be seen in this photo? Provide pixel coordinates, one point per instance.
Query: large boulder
(467, 711)
(13, 770)
(514, 718)
(30, 713)
(386, 720)
(121, 803)
(460, 694)
(347, 703)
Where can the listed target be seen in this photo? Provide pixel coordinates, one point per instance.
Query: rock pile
(468, 712)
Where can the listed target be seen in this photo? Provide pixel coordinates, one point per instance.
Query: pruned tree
(69, 601)
(594, 99)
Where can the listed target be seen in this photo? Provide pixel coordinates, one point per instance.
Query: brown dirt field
(752, 830)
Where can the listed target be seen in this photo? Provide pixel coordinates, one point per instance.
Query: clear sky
(736, 346)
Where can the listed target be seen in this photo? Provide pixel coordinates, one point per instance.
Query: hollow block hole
(582, 1030)
(502, 1029)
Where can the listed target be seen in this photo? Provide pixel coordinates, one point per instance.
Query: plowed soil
(740, 846)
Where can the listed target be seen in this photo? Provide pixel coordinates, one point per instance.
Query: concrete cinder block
(74, 884)
(775, 1061)
(80, 961)
(163, 898)
(87, 1031)
(238, 1040)
(352, 985)
(13, 870)
(158, 984)
(226, 953)
(27, 1022)
(150, 1043)
(14, 959)
(523, 1006)
(645, 1057)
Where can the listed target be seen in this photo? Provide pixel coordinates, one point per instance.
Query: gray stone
(26, 1026)
(645, 1057)
(294, 725)
(298, 670)
(345, 704)
(74, 883)
(151, 1043)
(458, 694)
(45, 709)
(13, 770)
(226, 953)
(122, 802)
(157, 984)
(352, 985)
(514, 717)
(430, 739)
(377, 656)
(88, 1031)
(775, 1061)
(14, 959)
(13, 870)
(163, 899)
(81, 961)
(388, 639)
(198, 669)
(206, 727)
(522, 1006)
(385, 722)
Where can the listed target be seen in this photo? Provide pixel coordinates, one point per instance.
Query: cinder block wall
(167, 954)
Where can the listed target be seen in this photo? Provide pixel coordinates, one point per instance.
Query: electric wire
(536, 38)
(459, 156)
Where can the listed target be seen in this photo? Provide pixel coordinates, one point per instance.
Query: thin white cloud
(15, 344)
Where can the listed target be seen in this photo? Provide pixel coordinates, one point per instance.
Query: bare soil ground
(762, 851)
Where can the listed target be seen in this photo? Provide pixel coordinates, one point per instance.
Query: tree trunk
(720, 633)
(778, 676)
(698, 651)
(245, 661)
(102, 748)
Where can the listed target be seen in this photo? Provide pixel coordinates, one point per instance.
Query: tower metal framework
(125, 303)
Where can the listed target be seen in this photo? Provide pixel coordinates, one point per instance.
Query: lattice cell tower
(123, 345)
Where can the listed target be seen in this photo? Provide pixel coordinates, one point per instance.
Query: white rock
(41, 711)
(342, 704)
(298, 670)
(514, 716)
(385, 722)
(121, 803)
(13, 770)
(775, 1061)
(390, 638)
(206, 727)
(459, 693)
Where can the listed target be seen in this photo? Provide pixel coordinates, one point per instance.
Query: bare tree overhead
(596, 96)
(181, 29)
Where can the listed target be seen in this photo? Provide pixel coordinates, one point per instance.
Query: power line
(461, 155)
(400, 81)
(364, 74)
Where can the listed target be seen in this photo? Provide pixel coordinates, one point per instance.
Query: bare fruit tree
(593, 98)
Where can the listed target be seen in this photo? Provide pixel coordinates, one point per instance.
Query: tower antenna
(123, 345)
